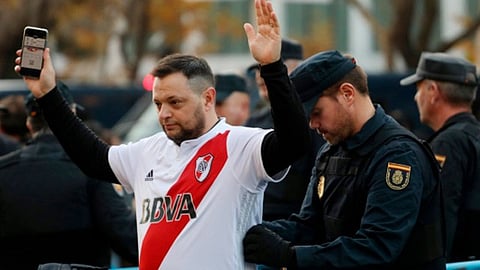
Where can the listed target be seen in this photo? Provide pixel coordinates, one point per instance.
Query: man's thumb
(249, 31)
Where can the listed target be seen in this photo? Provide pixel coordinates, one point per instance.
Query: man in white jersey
(199, 184)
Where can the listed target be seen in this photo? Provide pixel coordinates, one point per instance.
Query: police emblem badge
(321, 186)
(397, 176)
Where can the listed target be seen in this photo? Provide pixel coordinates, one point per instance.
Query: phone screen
(34, 43)
(33, 52)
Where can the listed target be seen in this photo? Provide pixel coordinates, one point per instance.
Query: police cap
(226, 84)
(443, 67)
(317, 73)
(32, 107)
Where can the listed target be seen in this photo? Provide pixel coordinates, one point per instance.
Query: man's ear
(347, 92)
(28, 124)
(434, 91)
(209, 98)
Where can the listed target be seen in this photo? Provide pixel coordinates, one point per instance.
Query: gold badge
(441, 159)
(321, 186)
(119, 189)
(397, 176)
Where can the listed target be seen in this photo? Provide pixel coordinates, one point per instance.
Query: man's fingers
(259, 12)
(17, 60)
(46, 56)
(17, 63)
(249, 31)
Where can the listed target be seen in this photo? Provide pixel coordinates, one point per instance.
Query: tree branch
(400, 31)
(465, 34)
(380, 31)
(430, 13)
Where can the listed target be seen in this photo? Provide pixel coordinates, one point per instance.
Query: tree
(148, 17)
(407, 35)
(81, 30)
(14, 16)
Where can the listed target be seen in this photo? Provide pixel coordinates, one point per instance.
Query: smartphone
(33, 44)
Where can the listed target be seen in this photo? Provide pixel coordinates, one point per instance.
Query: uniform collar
(457, 118)
(43, 138)
(460, 117)
(360, 142)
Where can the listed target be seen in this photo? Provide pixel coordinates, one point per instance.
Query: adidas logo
(149, 176)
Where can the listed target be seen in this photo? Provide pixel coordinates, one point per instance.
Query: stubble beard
(193, 132)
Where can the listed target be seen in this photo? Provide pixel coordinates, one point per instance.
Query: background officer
(51, 212)
(446, 88)
(232, 100)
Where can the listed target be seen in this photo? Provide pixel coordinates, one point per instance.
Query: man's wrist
(272, 67)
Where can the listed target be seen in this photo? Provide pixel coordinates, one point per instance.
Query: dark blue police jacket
(457, 147)
(51, 212)
(373, 202)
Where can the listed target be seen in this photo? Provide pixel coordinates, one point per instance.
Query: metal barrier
(467, 265)
(470, 265)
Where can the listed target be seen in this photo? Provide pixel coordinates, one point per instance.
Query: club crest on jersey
(203, 165)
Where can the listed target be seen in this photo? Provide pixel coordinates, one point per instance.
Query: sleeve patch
(397, 176)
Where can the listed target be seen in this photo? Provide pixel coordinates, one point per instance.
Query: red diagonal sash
(195, 181)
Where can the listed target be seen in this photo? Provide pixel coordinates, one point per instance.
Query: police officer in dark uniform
(374, 198)
(232, 99)
(51, 212)
(7, 144)
(446, 89)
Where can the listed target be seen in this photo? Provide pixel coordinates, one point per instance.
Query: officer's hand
(263, 246)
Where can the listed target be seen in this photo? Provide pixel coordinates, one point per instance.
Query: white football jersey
(195, 201)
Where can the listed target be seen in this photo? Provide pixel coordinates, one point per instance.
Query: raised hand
(265, 41)
(46, 82)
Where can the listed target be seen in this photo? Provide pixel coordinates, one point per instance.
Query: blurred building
(327, 24)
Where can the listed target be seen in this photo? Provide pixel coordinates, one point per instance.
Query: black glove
(263, 246)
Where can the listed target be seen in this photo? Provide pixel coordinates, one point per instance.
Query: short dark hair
(13, 116)
(357, 77)
(191, 66)
(38, 122)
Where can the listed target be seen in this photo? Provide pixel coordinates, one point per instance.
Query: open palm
(265, 43)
